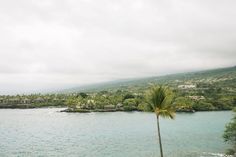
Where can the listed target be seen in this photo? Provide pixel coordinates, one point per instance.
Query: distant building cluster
(197, 97)
(14, 100)
(189, 86)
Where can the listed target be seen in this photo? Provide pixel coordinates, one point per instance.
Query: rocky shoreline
(30, 106)
(113, 110)
(96, 110)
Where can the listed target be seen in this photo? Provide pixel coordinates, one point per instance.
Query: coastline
(70, 110)
(28, 106)
(126, 128)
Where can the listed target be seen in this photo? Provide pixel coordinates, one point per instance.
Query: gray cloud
(57, 43)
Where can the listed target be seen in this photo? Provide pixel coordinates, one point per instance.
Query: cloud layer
(50, 44)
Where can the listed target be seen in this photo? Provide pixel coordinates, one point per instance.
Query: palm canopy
(160, 101)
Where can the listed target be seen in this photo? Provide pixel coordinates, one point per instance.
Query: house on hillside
(197, 97)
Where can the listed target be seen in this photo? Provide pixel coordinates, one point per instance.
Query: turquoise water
(47, 132)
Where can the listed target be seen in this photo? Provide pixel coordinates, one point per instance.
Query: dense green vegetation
(199, 91)
(230, 135)
(32, 101)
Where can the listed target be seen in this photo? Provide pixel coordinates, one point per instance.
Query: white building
(187, 86)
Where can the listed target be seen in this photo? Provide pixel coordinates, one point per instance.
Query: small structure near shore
(119, 105)
(26, 101)
(39, 100)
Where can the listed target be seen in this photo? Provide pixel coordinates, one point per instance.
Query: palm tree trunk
(159, 136)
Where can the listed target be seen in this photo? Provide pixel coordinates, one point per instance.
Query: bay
(48, 132)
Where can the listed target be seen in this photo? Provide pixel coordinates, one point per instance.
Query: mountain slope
(226, 77)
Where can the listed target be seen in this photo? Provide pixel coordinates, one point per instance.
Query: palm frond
(160, 99)
(166, 113)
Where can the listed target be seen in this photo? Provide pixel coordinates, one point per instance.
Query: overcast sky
(52, 44)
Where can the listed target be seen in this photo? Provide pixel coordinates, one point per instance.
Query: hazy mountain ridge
(218, 76)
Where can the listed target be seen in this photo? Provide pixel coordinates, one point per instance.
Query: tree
(203, 106)
(83, 95)
(129, 104)
(230, 135)
(128, 96)
(183, 104)
(71, 103)
(160, 100)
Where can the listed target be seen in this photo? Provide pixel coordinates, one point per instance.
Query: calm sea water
(47, 132)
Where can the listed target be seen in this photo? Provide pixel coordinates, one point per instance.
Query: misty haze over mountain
(56, 44)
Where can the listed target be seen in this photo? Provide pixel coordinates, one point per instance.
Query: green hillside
(196, 91)
(208, 90)
(224, 77)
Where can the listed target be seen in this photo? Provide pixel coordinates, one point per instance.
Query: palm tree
(160, 101)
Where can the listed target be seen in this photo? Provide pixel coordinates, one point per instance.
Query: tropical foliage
(200, 91)
(230, 135)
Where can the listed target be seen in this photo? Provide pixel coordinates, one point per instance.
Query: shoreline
(29, 107)
(68, 110)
